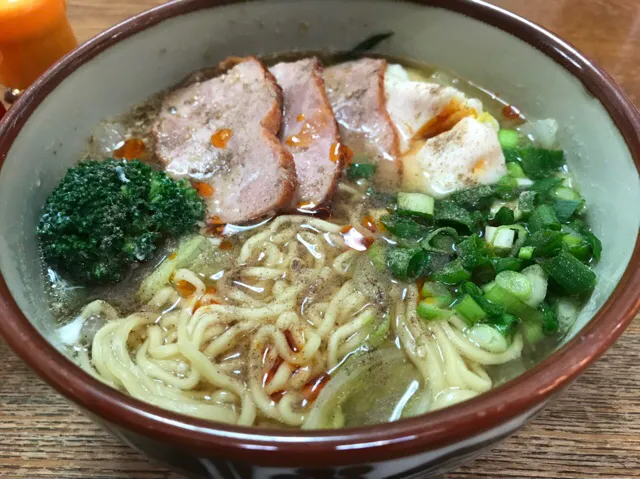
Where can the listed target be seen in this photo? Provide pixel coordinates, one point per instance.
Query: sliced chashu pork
(222, 131)
(422, 110)
(309, 131)
(467, 155)
(356, 92)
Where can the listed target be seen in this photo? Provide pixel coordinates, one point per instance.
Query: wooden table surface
(593, 431)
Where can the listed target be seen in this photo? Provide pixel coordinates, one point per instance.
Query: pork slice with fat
(222, 132)
(309, 131)
(356, 92)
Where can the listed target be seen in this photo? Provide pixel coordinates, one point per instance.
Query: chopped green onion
(577, 246)
(527, 202)
(506, 264)
(538, 162)
(594, 242)
(506, 188)
(524, 182)
(539, 280)
(437, 294)
(545, 243)
(441, 240)
(511, 155)
(504, 238)
(564, 193)
(361, 170)
(449, 212)
(505, 324)
(550, 322)
(470, 310)
(498, 295)
(452, 273)
(430, 288)
(543, 217)
(565, 209)
(403, 227)
(532, 332)
(567, 311)
(406, 263)
(378, 255)
(478, 296)
(515, 170)
(474, 198)
(415, 204)
(571, 274)
(544, 187)
(428, 310)
(504, 216)
(435, 262)
(515, 283)
(488, 337)
(472, 252)
(508, 138)
(378, 335)
(526, 252)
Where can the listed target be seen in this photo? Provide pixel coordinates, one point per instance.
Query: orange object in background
(34, 34)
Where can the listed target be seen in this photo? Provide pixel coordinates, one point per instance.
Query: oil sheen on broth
(378, 298)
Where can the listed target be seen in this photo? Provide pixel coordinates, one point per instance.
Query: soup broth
(376, 305)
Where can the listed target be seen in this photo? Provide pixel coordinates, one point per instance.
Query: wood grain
(593, 431)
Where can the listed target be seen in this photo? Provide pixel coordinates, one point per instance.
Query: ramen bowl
(46, 132)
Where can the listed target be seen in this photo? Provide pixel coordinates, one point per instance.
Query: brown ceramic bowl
(46, 130)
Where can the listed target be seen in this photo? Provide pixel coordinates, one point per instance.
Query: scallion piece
(506, 264)
(378, 255)
(538, 162)
(565, 209)
(570, 273)
(430, 288)
(532, 332)
(515, 170)
(550, 323)
(415, 204)
(564, 193)
(403, 227)
(452, 273)
(472, 252)
(428, 310)
(478, 296)
(546, 243)
(526, 252)
(498, 295)
(361, 170)
(515, 283)
(504, 323)
(406, 263)
(544, 187)
(504, 216)
(527, 202)
(474, 198)
(506, 188)
(508, 138)
(441, 240)
(449, 212)
(577, 246)
(470, 310)
(543, 217)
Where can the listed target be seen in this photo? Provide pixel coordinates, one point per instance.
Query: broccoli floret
(106, 215)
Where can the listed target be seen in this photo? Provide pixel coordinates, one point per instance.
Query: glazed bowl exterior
(47, 130)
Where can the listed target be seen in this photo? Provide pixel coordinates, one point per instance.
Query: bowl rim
(345, 446)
